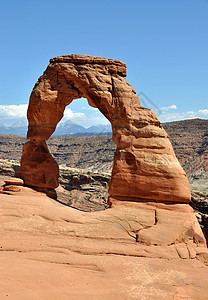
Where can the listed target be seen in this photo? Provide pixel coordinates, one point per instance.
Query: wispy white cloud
(171, 107)
(69, 114)
(203, 112)
(13, 111)
(177, 116)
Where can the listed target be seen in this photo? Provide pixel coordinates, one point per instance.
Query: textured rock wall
(145, 166)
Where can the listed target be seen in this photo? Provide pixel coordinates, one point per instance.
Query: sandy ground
(51, 251)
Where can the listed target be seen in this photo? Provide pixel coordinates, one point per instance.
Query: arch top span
(145, 166)
(113, 66)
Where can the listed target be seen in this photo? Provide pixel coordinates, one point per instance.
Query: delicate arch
(145, 166)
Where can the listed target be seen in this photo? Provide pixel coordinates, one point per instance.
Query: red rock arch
(145, 166)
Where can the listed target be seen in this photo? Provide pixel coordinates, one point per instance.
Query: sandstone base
(51, 251)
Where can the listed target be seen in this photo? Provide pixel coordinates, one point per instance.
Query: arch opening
(84, 155)
(83, 139)
(79, 118)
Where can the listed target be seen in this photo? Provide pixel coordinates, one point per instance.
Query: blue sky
(163, 42)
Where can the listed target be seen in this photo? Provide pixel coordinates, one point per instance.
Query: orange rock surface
(140, 251)
(145, 166)
(38, 168)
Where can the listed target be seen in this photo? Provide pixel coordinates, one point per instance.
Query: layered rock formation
(145, 166)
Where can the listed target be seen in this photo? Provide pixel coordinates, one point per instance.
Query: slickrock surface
(88, 191)
(51, 251)
(145, 165)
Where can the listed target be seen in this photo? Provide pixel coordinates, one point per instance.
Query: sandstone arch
(145, 166)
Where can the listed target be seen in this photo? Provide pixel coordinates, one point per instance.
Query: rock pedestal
(38, 168)
(145, 166)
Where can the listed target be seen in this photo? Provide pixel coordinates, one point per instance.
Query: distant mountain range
(66, 128)
(19, 128)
